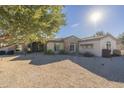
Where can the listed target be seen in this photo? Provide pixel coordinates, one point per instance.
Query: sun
(96, 16)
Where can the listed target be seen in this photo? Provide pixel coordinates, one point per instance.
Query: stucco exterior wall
(98, 45)
(104, 41)
(95, 50)
(50, 45)
(70, 40)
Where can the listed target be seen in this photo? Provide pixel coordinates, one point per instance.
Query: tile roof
(97, 37)
(56, 40)
(61, 39)
(92, 37)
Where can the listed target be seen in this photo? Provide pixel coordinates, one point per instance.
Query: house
(13, 47)
(93, 44)
(20, 46)
(96, 44)
(68, 44)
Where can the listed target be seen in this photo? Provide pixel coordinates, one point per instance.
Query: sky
(78, 20)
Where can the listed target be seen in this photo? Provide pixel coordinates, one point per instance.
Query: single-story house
(20, 46)
(95, 44)
(13, 47)
(73, 44)
(68, 44)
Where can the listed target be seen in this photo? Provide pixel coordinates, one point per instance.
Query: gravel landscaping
(61, 71)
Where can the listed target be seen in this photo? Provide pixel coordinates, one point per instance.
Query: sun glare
(96, 17)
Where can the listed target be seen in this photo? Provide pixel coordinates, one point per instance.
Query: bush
(106, 53)
(2, 52)
(116, 52)
(49, 52)
(17, 50)
(88, 54)
(62, 52)
(10, 52)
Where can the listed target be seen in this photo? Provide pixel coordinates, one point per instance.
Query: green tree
(30, 23)
(121, 38)
(100, 33)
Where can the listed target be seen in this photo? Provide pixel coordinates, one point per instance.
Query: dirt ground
(60, 71)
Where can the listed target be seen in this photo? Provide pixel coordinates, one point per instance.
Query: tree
(30, 23)
(100, 33)
(121, 38)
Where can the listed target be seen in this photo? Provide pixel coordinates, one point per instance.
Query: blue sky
(79, 23)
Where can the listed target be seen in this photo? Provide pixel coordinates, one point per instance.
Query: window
(87, 45)
(56, 47)
(83, 46)
(91, 46)
(72, 47)
(108, 45)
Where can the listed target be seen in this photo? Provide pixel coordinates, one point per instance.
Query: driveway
(61, 71)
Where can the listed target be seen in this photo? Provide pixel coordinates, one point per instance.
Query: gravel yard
(61, 71)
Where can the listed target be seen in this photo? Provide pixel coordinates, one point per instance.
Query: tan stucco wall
(98, 46)
(70, 40)
(103, 43)
(50, 45)
(95, 50)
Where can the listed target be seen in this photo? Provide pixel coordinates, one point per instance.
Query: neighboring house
(68, 44)
(93, 44)
(8, 48)
(15, 47)
(20, 47)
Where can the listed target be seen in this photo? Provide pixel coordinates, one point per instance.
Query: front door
(36, 47)
(72, 47)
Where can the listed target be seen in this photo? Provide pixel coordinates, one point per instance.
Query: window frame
(56, 47)
(108, 45)
(87, 46)
(72, 49)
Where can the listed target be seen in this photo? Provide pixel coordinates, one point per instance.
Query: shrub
(116, 52)
(49, 52)
(10, 52)
(106, 53)
(17, 50)
(88, 54)
(80, 54)
(2, 52)
(62, 52)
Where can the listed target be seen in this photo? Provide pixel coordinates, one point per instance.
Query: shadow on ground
(41, 59)
(111, 69)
